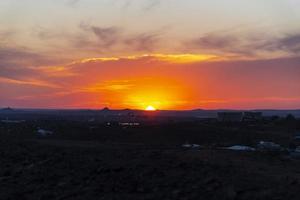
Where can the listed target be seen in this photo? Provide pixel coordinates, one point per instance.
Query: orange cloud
(35, 83)
(174, 58)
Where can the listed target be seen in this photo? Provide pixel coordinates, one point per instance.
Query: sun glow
(150, 108)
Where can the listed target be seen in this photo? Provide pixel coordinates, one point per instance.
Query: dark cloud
(20, 55)
(215, 41)
(44, 33)
(18, 62)
(106, 36)
(246, 44)
(94, 38)
(143, 42)
(292, 43)
(146, 5)
(112, 38)
(151, 4)
(227, 43)
(289, 43)
(72, 2)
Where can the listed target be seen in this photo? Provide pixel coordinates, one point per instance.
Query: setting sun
(150, 108)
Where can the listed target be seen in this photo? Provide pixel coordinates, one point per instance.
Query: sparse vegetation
(85, 159)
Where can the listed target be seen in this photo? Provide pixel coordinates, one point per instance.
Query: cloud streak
(151, 4)
(143, 42)
(114, 39)
(106, 36)
(72, 2)
(247, 44)
(35, 83)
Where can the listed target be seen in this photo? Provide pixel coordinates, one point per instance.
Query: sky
(170, 54)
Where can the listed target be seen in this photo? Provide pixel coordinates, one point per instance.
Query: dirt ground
(133, 165)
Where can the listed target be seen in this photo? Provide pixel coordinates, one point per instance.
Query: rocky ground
(36, 168)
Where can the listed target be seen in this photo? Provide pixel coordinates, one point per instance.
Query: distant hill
(106, 109)
(8, 109)
(82, 113)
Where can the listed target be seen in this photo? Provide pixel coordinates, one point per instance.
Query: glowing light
(150, 108)
(174, 58)
(184, 58)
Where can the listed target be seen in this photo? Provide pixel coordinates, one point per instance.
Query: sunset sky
(169, 54)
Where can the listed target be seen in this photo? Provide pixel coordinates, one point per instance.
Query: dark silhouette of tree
(290, 118)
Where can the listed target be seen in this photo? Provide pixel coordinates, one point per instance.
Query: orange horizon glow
(162, 81)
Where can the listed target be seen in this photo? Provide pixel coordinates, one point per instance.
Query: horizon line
(122, 109)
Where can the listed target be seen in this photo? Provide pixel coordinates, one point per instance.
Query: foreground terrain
(93, 161)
